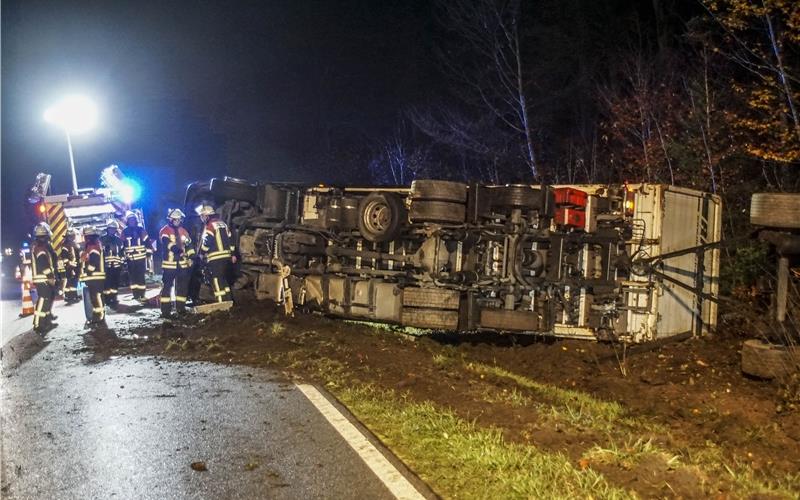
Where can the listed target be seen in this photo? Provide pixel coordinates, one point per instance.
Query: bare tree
(480, 147)
(400, 158)
(485, 62)
(642, 109)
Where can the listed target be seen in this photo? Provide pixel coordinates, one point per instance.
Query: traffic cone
(27, 277)
(27, 301)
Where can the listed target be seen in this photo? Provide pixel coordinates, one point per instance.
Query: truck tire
(517, 196)
(380, 216)
(231, 188)
(439, 191)
(775, 210)
(768, 361)
(437, 211)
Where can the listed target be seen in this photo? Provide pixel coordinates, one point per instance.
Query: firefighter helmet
(89, 231)
(205, 209)
(112, 224)
(176, 213)
(42, 229)
(130, 214)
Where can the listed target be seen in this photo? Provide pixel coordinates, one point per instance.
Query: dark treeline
(696, 93)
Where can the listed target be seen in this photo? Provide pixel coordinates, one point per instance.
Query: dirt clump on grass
(679, 420)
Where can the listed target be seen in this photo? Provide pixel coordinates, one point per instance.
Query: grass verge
(574, 407)
(461, 460)
(455, 457)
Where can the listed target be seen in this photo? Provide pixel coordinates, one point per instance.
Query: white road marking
(397, 484)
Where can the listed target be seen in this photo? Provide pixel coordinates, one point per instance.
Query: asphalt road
(75, 426)
(12, 324)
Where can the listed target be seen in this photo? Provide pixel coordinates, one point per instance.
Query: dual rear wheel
(440, 202)
(382, 214)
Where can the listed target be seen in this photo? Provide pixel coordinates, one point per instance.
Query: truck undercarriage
(555, 260)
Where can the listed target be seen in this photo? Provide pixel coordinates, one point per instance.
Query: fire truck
(635, 262)
(89, 207)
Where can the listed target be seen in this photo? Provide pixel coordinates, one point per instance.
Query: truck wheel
(775, 210)
(764, 360)
(517, 196)
(439, 191)
(437, 211)
(380, 216)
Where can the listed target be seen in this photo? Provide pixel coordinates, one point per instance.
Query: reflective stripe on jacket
(136, 243)
(42, 264)
(176, 247)
(94, 266)
(70, 253)
(217, 241)
(112, 250)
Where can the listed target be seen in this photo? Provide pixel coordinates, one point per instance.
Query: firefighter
(61, 265)
(70, 253)
(136, 245)
(217, 251)
(45, 275)
(112, 251)
(176, 262)
(93, 274)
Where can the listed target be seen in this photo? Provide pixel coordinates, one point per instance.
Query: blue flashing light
(129, 191)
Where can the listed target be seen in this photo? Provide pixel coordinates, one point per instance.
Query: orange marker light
(42, 209)
(629, 206)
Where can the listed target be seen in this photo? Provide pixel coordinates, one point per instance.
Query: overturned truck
(630, 262)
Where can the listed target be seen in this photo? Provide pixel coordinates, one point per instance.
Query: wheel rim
(377, 217)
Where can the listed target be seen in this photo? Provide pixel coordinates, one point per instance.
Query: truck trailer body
(578, 261)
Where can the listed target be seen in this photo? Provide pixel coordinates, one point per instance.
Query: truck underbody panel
(552, 260)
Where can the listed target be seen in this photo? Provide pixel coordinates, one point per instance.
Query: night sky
(190, 90)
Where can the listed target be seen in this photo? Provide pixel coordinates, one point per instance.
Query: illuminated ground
(547, 418)
(81, 425)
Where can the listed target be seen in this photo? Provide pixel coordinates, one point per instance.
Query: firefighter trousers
(42, 315)
(96, 296)
(111, 286)
(71, 284)
(219, 280)
(179, 278)
(136, 269)
(195, 282)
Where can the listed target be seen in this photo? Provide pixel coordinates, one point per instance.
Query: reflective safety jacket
(93, 260)
(42, 263)
(175, 247)
(136, 243)
(112, 250)
(70, 253)
(217, 241)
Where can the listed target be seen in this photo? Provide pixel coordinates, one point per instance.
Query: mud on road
(676, 421)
